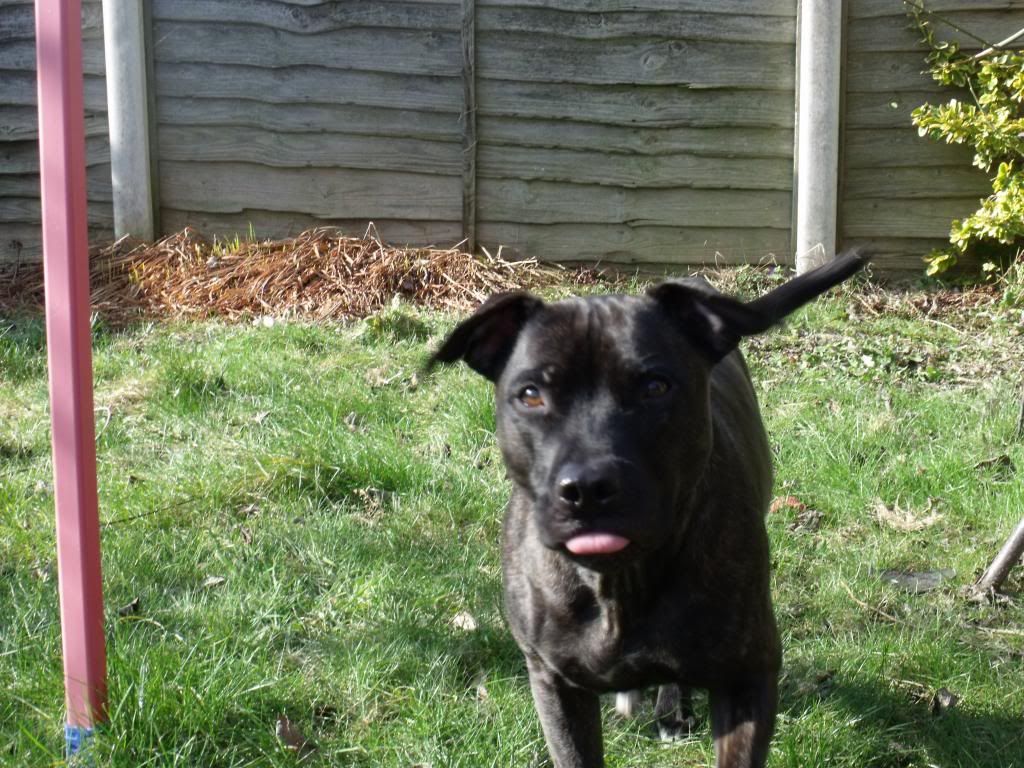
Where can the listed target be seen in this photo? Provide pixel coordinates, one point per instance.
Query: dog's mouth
(596, 544)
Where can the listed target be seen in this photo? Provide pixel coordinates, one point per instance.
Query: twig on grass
(887, 616)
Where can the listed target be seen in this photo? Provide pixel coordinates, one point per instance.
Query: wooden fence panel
(641, 133)
(303, 114)
(20, 220)
(900, 192)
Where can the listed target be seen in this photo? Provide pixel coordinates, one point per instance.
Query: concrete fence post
(128, 115)
(819, 53)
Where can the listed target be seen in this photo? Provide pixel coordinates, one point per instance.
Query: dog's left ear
(716, 323)
(485, 340)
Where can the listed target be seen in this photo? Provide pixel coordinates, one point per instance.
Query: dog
(634, 550)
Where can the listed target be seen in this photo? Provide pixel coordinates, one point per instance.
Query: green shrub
(994, 126)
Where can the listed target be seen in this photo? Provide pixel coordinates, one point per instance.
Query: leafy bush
(994, 126)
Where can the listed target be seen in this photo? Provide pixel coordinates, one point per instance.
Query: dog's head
(603, 403)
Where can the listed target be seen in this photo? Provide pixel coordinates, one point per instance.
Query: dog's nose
(579, 486)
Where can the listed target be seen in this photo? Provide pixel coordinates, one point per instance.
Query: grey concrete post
(817, 125)
(128, 116)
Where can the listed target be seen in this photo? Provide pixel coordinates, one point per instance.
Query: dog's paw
(627, 703)
(676, 728)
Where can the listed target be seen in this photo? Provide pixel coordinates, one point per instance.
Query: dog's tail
(793, 294)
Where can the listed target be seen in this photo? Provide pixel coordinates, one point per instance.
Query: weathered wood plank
(306, 118)
(704, 142)
(725, 7)
(266, 224)
(18, 123)
(21, 55)
(20, 210)
(309, 85)
(631, 171)
(916, 182)
(623, 244)
(901, 147)
(886, 217)
(308, 150)
(98, 184)
(527, 57)
(541, 202)
(23, 156)
(866, 9)
(19, 89)
(352, 194)
(639, 107)
(887, 72)
(408, 52)
(893, 110)
(739, 28)
(18, 21)
(887, 33)
(313, 18)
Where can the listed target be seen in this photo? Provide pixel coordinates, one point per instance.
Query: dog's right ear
(486, 338)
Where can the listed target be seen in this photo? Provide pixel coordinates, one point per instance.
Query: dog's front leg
(742, 722)
(570, 717)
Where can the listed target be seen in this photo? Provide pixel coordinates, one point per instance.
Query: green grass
(351, 507)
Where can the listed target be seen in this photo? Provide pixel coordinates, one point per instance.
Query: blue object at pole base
(76, 739)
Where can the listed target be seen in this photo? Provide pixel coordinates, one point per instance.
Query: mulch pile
(320, 274)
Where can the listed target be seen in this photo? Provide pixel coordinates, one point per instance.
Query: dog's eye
(531, 397)
(654, 386)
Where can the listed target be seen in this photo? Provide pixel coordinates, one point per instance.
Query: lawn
(297, 522)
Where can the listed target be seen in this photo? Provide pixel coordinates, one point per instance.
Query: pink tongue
(596, 544)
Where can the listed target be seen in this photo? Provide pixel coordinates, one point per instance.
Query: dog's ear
(716, 323)
(486, 338)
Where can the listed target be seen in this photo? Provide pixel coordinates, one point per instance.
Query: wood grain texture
(901, 147)
(383, 122)
(632, 171)
(883, 217)
(887, 33)
(348, 194)
(397, 51)
(543, 202)
(548, 58)
(726, 7)
(309, 85)
(724, 142)
(639, 245)
(313, 18)
(630, 106)
(262, 147)
(867, 9)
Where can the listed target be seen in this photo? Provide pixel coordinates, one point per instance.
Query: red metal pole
(66, 267)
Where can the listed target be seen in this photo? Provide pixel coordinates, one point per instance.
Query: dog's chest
(601, 642)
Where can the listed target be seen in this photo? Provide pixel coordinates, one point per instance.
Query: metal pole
(124, 38)
(66, 271)
(820, 48)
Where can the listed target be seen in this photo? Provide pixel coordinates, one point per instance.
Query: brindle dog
(634, 545)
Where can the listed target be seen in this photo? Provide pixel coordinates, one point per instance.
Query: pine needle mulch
(320, 274)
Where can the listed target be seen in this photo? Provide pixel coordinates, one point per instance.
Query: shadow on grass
(905, 726)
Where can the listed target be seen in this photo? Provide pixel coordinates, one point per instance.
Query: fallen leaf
(213, 581)
(260, 417)
(786, 502)
(465, 621)
(905, 519)
(292, 737)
